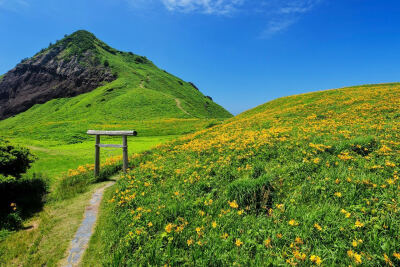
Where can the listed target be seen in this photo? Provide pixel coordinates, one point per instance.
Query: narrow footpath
(85, 231)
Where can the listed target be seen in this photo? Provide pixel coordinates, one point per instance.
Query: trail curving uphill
(178, 104)
(85, 231)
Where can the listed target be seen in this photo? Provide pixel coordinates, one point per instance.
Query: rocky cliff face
(47, 76)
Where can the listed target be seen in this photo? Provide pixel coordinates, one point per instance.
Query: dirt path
(178, 104)
(177, 100)
(85, 231)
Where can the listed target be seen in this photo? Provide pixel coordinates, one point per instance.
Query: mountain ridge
(133, 92)
(62, 70)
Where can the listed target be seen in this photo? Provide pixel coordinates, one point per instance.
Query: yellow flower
(354, 243)
(224, 236)
(150, 224)
(189, 242)
(267, 242)
(317, 226)
(233, 204)
(299, 255)
(338, 194)
(207, 203)
(292, 222)
(214, 224)
(359, 224)
(281, 207)
(390, 164)
(240, 212)
(355, 256)
(238, 243)
(317, 260)
(169, 228)
(387, 260)
(350, 253)
(346, 213)
(198, 230)
(396, 255)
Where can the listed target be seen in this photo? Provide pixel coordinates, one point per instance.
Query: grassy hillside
(309, 179)
(143, 97)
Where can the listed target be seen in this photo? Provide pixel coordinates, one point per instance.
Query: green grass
(48, 234)
(158, 105)
(93, 256)
(143, 97)
(63, 212)
(310, 179)
(54, 159)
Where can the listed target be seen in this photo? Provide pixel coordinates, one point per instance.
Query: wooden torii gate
(124, 146)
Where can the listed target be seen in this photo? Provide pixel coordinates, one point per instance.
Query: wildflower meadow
(311, 179)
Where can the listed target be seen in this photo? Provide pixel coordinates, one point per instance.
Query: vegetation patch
(78, 181)
(304, 180)
(19, 197)
(252, 194)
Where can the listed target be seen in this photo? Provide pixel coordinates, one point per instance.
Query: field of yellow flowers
(311, 179)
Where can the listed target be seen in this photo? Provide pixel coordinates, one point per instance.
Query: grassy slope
(57, 159)
(307, 179)
(46, 243)
(143, 97)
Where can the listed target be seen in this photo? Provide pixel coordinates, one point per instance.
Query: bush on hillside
(252, 193)
(19, 199)
(14, 161)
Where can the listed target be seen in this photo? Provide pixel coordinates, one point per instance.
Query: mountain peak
(82, 33)
(80, 63)
(69, 67)
(77, 43)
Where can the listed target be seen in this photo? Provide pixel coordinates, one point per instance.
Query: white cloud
(284, 13)
(275, 26)
(279, 14)
(223, 7)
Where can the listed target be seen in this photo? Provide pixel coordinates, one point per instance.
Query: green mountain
(80, 83)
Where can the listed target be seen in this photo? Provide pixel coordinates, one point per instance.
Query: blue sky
(241, 52)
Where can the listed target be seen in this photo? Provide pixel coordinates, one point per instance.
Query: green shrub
(255, 193)
(14, 161)
(20, 198)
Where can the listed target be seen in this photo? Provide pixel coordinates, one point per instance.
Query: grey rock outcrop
(48, 76)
